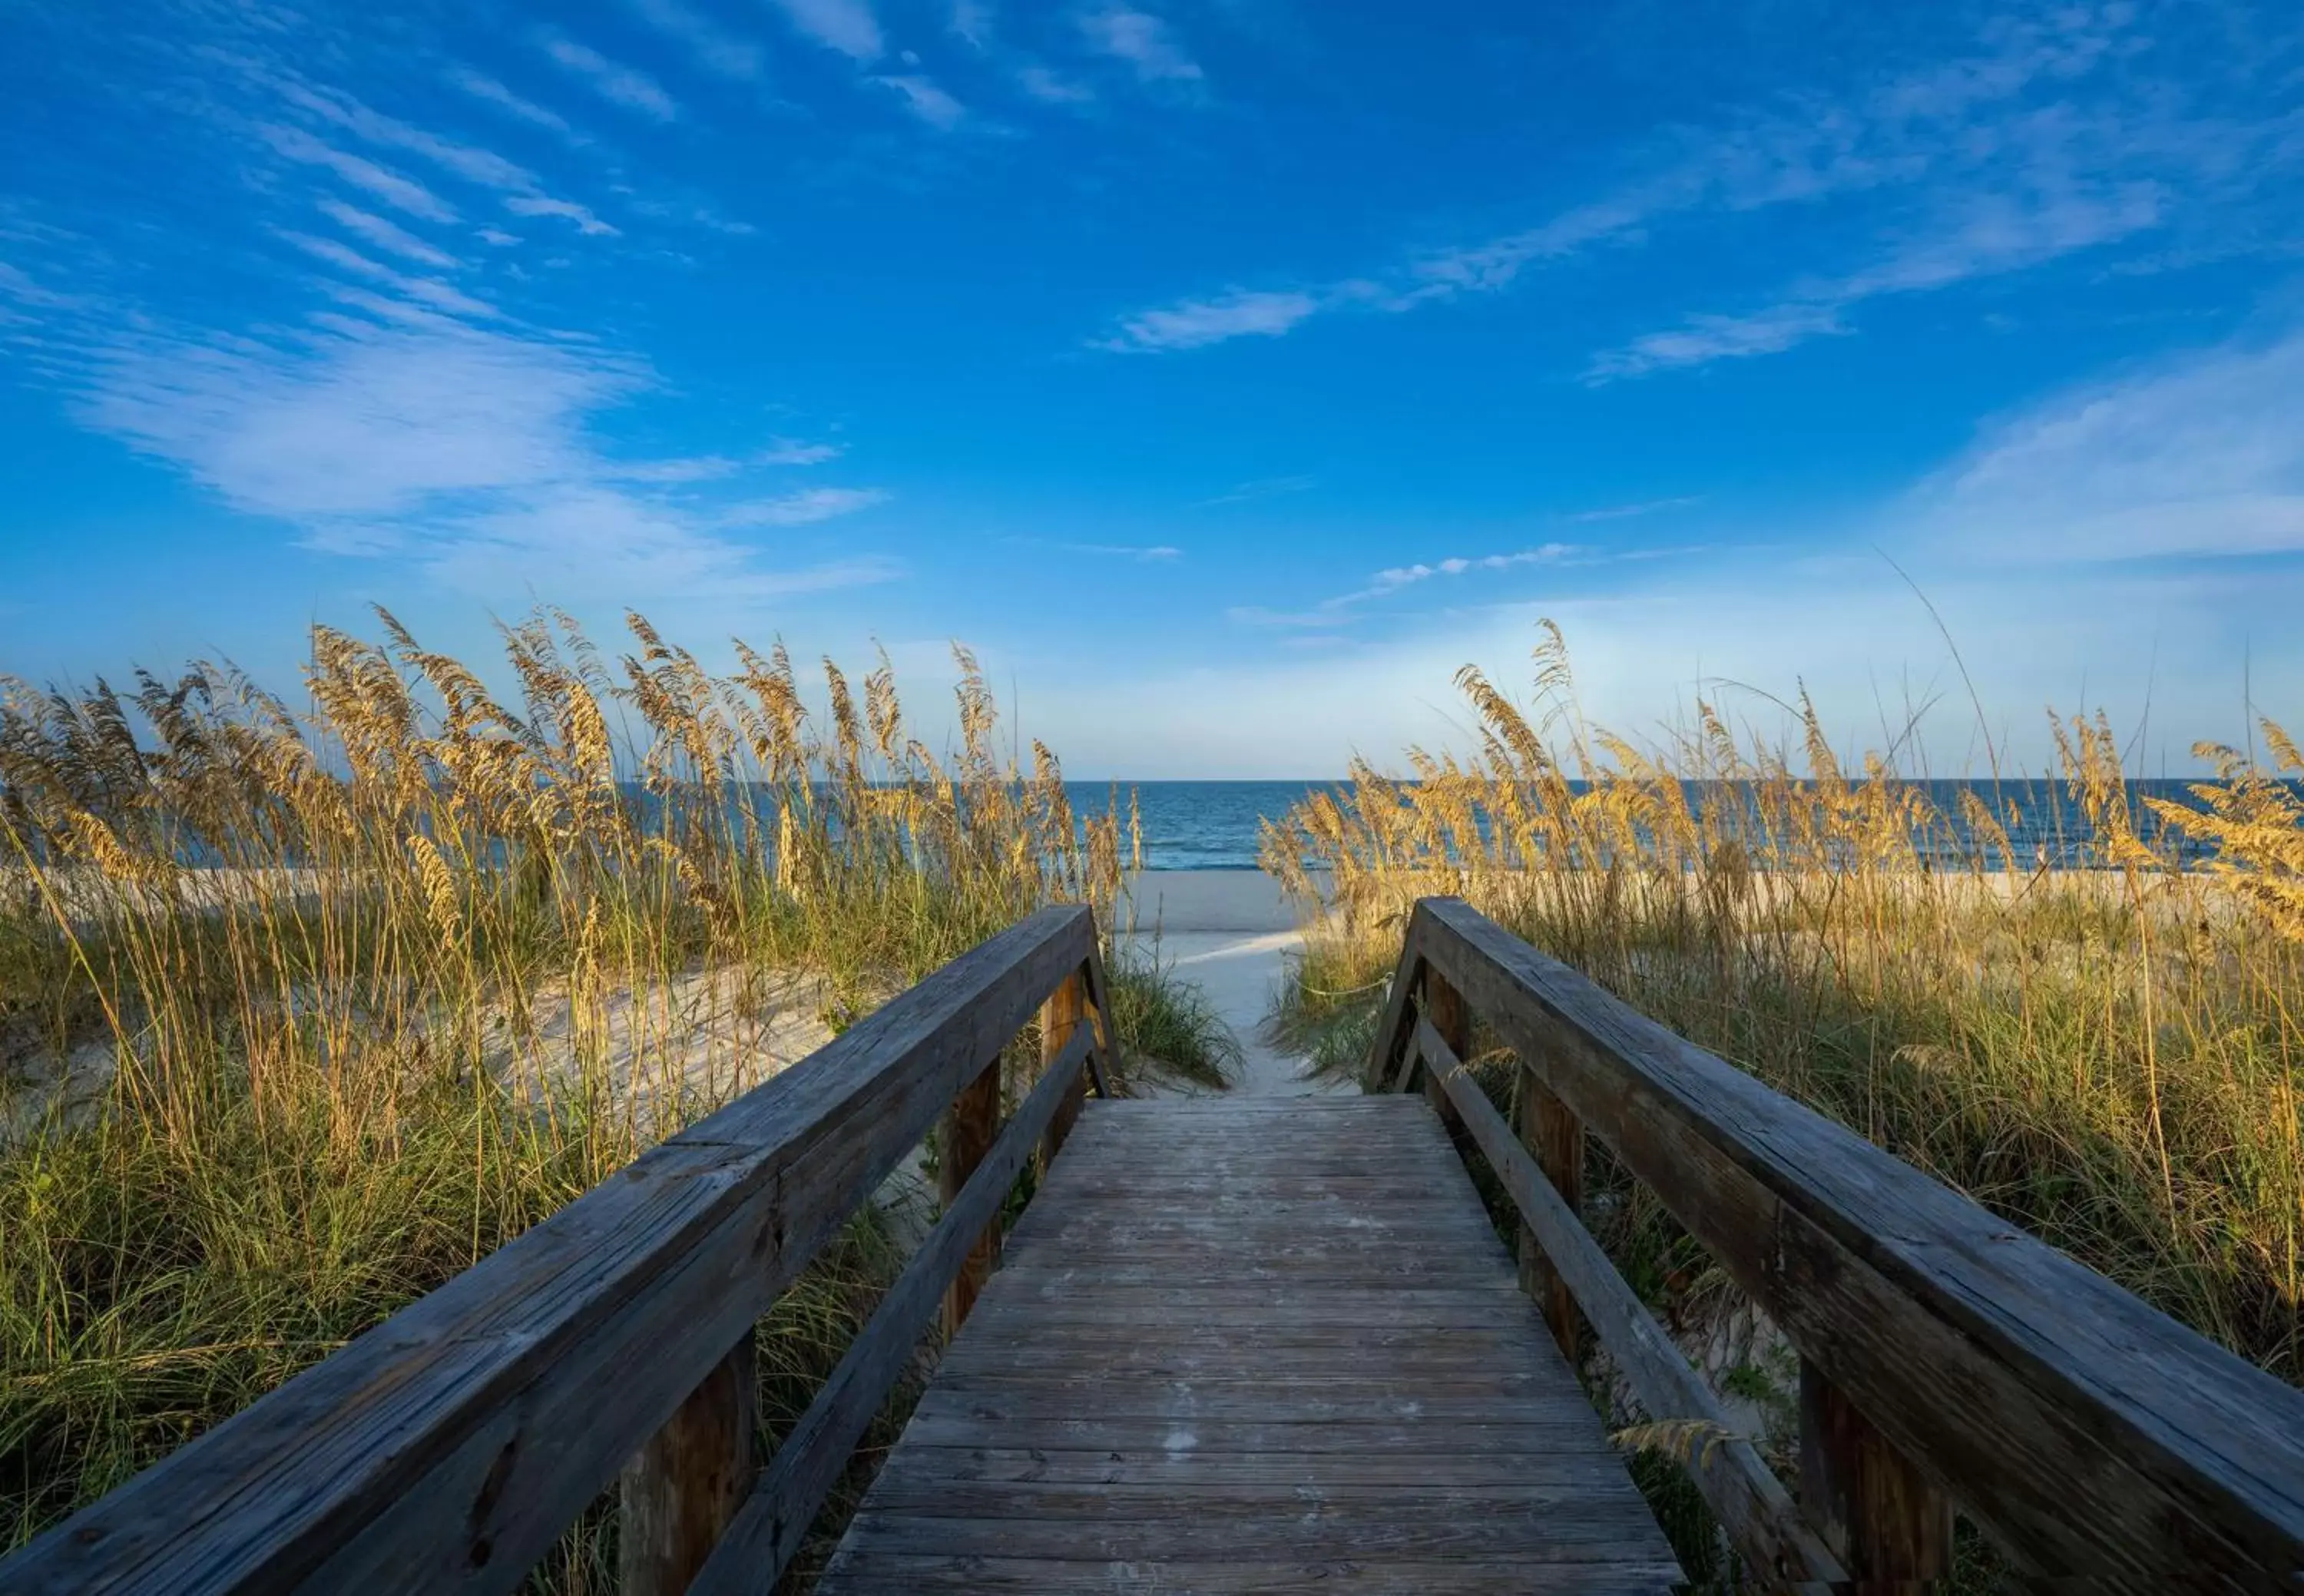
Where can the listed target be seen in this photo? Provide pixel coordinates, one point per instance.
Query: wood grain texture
(1880, 1516)
(774, 1521)
(970, 1126)
(1195, 1392)
(1751, 1503)
(1066, 1011)
(680, 1490)
(2094, 1438)
(446, 1449)
(1554, 1138)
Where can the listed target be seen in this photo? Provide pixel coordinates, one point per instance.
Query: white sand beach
(1228, 932)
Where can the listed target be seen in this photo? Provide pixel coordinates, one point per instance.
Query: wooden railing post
(1066, 1007)
(970, 1126)
(1443, 1007)
(1554, 1136)
(1878, 1513)
(680, 1490)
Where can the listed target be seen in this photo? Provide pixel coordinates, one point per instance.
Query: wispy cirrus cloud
(611, 80)
(2049, 137)
(1193, 324)
(1344, 607)
(481, 87)
(1702, 339)
(1142, 40)
(424, 290)
(711, 46)
(1263, 487)
(1141, 552)
(847, 26)
(804, 507)
(788, 450)
(384, 234)
(2201, 456)
(1978, 235)
(923, 99)
(402, 193)
(1626, 511)
(1051, 88)
(544, 205)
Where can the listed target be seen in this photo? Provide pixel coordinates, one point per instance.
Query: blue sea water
(1214, 824)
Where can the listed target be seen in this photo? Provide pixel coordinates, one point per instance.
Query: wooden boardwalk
(1266, 1345)
(1237, 1345)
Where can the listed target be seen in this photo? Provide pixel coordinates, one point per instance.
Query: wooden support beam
(1880, 1515)
(970, 1126)
(1443, 1009)
(1065, 1009)
(680, 1490)
(1555, 1137)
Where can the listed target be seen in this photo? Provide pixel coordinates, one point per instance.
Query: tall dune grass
(2108, 1055)
(304, 1008)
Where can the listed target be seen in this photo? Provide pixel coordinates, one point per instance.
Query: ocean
(1213, 825)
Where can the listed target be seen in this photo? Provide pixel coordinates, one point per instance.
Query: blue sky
(1226, 372)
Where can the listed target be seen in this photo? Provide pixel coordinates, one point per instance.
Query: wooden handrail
(1735, 1482)
(447, 1448)
(2093, 1437)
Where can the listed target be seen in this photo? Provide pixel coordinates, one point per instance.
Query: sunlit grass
(303, 1010)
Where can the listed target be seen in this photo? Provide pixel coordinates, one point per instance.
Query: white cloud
(1641, 655)
(1702, 339)
(2049, 137)
(1142, 40)
(1049, 89)
(425, 291)
(925, 100)
(1643, 508)
(386, 235)
(498, 237)
(1974, 235)
(404, 193)
(787, 451)
(612, 81)
(536, 205)
(971, 20)
(484, 88)
(802, 508)
(2199, 455)
(463, 451)
(715, 48)
(1265, 487)
(1345, 607)
(847, 26)
(473, 165)
(1193, 323)
(1142, 553)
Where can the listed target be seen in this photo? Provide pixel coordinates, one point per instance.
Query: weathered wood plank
(896, 1572)
(1229, 1389)
(1751, 1503)
(2093, 1436)
(773, 1521)
(964, 1423)
(1179, 1471)
(446, 1449)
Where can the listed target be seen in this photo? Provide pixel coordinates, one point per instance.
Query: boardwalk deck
(1254, 1344)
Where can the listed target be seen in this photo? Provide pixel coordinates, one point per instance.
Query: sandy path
(1227, 932)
